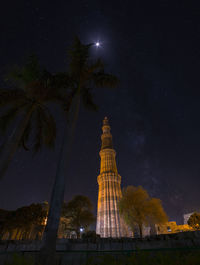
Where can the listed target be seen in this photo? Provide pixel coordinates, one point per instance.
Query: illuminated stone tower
(109, 223)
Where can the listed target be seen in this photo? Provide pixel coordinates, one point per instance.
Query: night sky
(154, 49)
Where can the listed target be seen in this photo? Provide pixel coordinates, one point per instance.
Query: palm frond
(51, 88)
(11, 96)
(101, 79)
(38, 132)
(14, 76)
(10, 115)
(26, 135)
(49, 128)
(87, 99)
(79, 54)
(45, 131)
(61, 81)
(90, 69)
(31, 71)
(98, 65)
(26, 74)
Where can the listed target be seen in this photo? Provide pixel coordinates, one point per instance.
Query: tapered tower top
(105, 121)
(106, 137)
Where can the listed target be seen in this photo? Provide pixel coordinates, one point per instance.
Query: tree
(23, 221)
(28, 222)
(3, 221)
(139, 210)
(84, 75)
(79, 212)
(194, 220)
(25, 105)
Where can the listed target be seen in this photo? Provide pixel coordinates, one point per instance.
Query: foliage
(194, 220)
(24, 220)
(20, 260)
(31, 89)
(90, 235)
(29, 221)
(79, 211)
(86, 74)
(138, 209)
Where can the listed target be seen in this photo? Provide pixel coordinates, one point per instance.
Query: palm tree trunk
(140, 229)
(12, 142)
(48, 250)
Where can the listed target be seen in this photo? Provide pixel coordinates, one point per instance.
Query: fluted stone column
(109, 223)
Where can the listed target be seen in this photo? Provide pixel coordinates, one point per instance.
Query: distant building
(172, 227)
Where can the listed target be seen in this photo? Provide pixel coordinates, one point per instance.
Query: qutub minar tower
(109, 223)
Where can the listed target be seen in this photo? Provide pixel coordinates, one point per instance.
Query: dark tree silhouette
(25, 104)
(79, 212)
(24, 222)
(83, 76)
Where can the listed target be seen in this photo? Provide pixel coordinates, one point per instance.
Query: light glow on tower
(109, 223)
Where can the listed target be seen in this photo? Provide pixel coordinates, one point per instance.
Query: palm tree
(84, 75)
(26, 106)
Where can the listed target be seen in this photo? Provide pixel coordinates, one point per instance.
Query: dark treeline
(27, 222)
